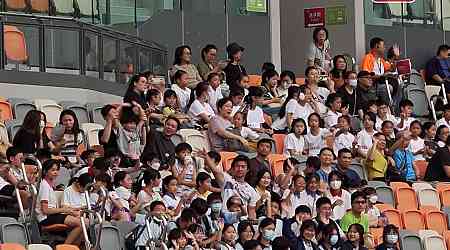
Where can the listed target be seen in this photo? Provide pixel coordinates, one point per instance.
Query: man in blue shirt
(438, 68)
(404, 159)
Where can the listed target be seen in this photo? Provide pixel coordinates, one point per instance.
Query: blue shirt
(404, 159)
(323, 175)
(444, 63)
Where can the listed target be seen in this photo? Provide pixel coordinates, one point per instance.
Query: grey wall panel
(295, 38)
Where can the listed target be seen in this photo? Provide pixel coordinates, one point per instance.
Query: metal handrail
(31, 186)
(91, 212)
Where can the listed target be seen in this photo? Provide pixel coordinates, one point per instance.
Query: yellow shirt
(377, 167)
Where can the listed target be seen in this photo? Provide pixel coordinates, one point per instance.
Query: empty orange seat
(440, 186)
(425, 209)
(279, 142)
(406, 199)
(66, 247)
(395, 185)
(39, 5)
(254, 80)
(300, 80)
(413, 220)
(14, 44)
(11, 246)
(445, 197)
(394, 217)
(5, 111)
(276, 161)
(437, 221)
(16, 4)
(383, 207)
(447, 238)
(227, 159)
(377, 235)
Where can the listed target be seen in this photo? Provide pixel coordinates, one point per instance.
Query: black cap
(364, 73)
(234, 48)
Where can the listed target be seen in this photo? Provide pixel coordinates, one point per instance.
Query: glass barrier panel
(21, 47)
(58, 58)
(91, 54)
(145, 59)
(110, 58)
(127, 65)
(159, 63)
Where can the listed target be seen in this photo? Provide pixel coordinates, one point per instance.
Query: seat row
(409, 240)
(76, 8)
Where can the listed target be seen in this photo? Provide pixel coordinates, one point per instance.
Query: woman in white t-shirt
(173, 202)
(334, 103)
(315, 139)
(48, 211)
(417, 144)
(344, 139)
(319, 94)
(255, 114)
(198, 107)
(364, 137)
(74, 194)
(288, 111)
(294, 142)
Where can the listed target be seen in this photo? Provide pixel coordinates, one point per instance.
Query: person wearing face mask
(340, 198)
(31, 135)
(390, 238)
(266, 233)
(287, 79)
(307, 238)
(157, 222)
(371, 210)
(184, 169)
(347, 91)
(330, 239)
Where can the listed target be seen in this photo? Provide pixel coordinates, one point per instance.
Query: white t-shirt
(316, 142)
(331, 118)
(339, 211)
(416, 145)
(245, 191)
(156, 230)
(214, 96)
(198, 108)
(248, 133)
(143, 197)
(255, 117)
(292, 142)
(380, 121)
(46, 193)
(292, 107)
(296, 200)
(236, 108)
(170, 201)
(364, 140)
(73, 198)
(442, 121)
(183, 95)
(344, 140)
(406, 123)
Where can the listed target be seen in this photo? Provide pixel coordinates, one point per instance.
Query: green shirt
(349, 219)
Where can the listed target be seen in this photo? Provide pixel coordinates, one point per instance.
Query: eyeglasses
(360, 201)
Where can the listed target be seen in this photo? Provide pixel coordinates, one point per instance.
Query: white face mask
(42, 124)
(392, 238)
(334, 239)
(353, 82)
(335, 184)
(373, 199)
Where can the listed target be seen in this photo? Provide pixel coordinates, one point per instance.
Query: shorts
(53, 219)
(8, 190)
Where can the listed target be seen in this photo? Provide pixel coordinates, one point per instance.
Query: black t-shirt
(435, 170)
(25, 142)
(159, 146)
(233, 73)
(111, 145)
(347, 99)
(133, 96)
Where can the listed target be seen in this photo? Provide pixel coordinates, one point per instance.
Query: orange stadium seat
(254, 80)
(395, 185)
(394, 217)
(405, 199)
(11, 246)
(66, 247)
(39, 5)
(377, 235)
(383, 207)
(16, 4)
(6, 111)
(445, 197)
(279, 142)
(437, 221)
(300, 80)
(422, 166)
(413, 220)
(276, 161)
(15, 44)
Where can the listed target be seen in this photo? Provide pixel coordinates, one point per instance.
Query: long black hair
(206, 49)
(31, 124)
(316, 32)
(198, 91)
(253, 91)
(76, 125)
(179, 53)
(293, 91)
(336, 73)
(289, 74)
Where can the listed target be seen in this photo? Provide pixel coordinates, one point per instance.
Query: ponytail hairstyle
(293, 92)
(198, 91)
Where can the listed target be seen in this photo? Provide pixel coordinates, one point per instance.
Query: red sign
(393, 1)
(314, 17)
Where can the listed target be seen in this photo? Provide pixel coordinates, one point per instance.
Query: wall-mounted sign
(314, 17)
(256, 6)
(393, 1)
(336, 15)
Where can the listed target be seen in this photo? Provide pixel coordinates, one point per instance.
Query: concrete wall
(295, 38)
